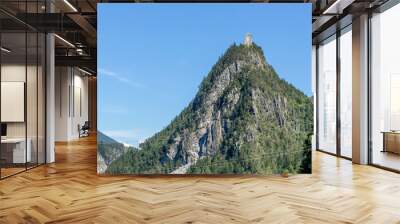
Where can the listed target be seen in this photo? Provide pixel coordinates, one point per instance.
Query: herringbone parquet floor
(70, 191)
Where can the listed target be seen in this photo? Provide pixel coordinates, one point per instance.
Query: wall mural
(204, 89)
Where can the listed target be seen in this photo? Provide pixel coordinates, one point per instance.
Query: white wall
(80, 110)
(33, 126)
(9, 73)
(71, 102)
(12, 73)
(62, 82)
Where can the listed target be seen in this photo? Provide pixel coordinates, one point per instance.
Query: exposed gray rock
(244, 119)
(205, 140)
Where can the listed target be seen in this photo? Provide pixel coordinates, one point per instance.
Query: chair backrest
(86, 124)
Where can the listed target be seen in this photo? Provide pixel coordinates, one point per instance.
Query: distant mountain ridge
(108, 150)
(244, 119)
(104, 138)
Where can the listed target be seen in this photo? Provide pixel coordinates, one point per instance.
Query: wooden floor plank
(70, 191)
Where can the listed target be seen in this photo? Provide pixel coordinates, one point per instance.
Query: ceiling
(331, 15)
(75, 22)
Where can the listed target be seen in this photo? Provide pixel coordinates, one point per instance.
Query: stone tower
(248, 39)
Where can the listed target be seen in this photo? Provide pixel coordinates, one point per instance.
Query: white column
(50, 99)
(360, 90)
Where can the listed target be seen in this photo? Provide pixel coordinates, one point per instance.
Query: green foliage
(112, 150)
(267, 131)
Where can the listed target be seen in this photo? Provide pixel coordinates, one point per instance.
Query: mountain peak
(243, 119)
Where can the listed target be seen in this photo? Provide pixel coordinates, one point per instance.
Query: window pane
(327, 95)
(386, 88)
(31, 97)
(13, 86)
(346, 92)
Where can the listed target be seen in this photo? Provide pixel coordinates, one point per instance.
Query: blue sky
(152, 57)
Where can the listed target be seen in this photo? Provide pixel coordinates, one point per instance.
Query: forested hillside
(244, 119)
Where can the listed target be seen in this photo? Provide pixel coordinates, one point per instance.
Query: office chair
(84, 130)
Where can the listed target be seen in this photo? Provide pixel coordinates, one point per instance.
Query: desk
(13, 150)
(391, 141)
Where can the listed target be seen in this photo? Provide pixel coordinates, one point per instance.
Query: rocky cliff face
(244, 119)
(213, 113)
(108, 150)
